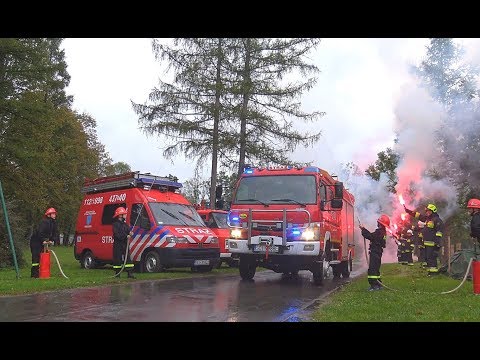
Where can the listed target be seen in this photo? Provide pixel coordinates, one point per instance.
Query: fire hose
(128, 237)
(389, 288)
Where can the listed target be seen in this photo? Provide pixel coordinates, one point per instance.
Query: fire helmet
(384, 220)
(50, 211)
(473, 204)
(410, 232)
(431, 207)
(120, 211)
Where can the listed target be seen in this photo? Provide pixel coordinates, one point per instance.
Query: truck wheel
(87, 262)
(151, 262)
(247, 268)
(336, 269)
(318, 273)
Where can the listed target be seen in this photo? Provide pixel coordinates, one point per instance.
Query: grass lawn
(78, 277)
(417, 299)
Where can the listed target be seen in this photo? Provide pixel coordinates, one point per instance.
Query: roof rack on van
(129, 180)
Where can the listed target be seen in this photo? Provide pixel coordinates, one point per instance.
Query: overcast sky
(359, 83)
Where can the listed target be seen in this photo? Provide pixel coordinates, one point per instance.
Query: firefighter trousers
(119, 250)
(422, 256)
(432, 254)
(36, 249)
(374, 268)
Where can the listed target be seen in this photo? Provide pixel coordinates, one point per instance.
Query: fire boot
(35, 272)
(130, 275)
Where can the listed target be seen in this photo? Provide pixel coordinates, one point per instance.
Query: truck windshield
(297, 188)
(175, 214)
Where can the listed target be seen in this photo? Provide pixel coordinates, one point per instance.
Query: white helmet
(410, 232)
(421, 224)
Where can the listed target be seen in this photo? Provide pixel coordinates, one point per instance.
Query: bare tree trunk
(216, 120)
(243, 113)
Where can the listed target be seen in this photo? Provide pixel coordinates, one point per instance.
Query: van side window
(322, 191)
(141, 220)
(108, 211)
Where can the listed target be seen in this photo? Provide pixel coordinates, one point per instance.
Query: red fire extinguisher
(476, 276)
(45, 262)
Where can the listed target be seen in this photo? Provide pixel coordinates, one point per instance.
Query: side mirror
(323, 203)
(337, 203)
(338, 190)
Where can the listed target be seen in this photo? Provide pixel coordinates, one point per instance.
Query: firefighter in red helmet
(121, 234)
(46, 231)
(432, 235)
(474, 208)
(377, 244)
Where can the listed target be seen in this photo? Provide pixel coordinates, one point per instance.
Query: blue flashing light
(296, 232)
(248, 171)
(235, 218)
(312, 169)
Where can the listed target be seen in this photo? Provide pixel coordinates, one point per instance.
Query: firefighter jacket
(120, 232)
(433, 230)
(475, 226)
(378, 239)
(46, 231)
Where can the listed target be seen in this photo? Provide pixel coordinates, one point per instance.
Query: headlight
(308, 235)
(236, 233)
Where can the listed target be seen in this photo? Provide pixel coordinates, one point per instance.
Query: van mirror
(323, 203)
(337, 203)
(338, 190)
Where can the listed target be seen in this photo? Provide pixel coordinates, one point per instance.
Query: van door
(104, 250)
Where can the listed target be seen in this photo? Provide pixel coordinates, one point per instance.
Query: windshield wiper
(173, 216)
(189, 217)
(290, 200)
(261, 202)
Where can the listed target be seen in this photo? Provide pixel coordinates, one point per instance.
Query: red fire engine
(288, 219)
(216, 220)
(167, 230)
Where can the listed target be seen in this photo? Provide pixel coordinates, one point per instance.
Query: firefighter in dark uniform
(46, 231)
(432, 235)
(400, 241)
(417, 230)
(409, 247)
(121, 235)
(377, 244)
(474, 208)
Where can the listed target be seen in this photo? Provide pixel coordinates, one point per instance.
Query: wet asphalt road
(269, 298)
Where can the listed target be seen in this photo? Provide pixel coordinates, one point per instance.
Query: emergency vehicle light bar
(133, 179)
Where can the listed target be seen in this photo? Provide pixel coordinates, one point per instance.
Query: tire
(247, 268)
(88, 261)
(336, 270)
(151, 262)
(345, 270)
(318, 273)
